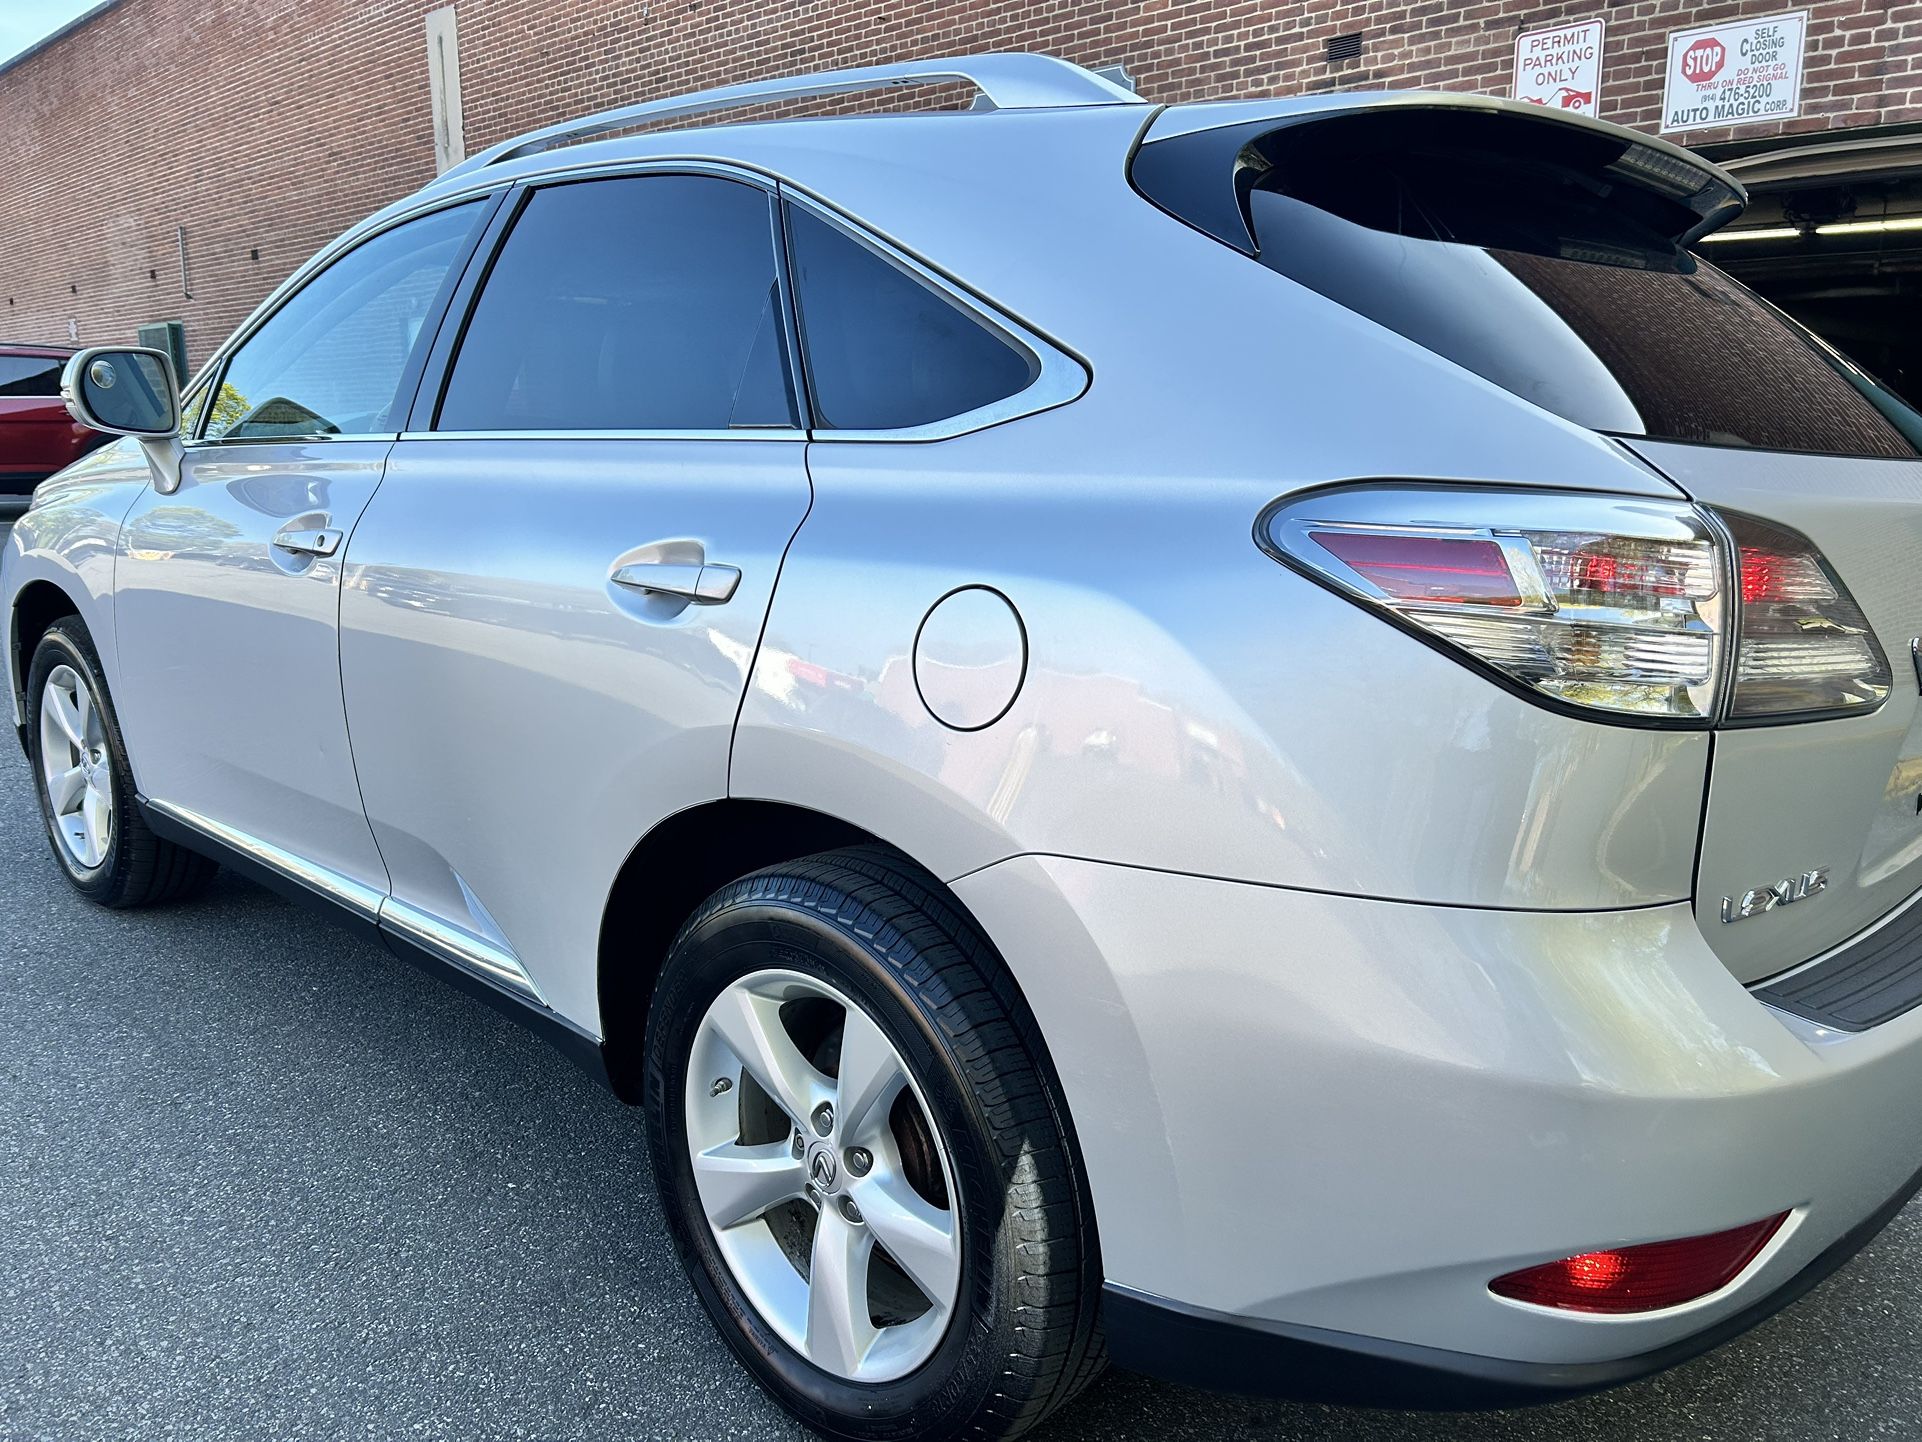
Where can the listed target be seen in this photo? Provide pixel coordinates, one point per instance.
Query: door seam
(767, 619)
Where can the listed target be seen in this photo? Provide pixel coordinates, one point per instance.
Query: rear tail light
(1642, 1278)
(1613, 605)
(1804, 648)
(1610, 604)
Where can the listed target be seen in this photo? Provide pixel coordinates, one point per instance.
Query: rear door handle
(308, 543)
(704, 585)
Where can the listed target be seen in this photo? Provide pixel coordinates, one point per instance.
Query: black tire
(1026, 1335)
(138, 868)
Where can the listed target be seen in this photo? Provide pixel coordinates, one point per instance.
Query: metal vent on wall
(1344, 47)
(169, 336)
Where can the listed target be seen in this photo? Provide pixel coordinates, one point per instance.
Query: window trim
(214, 372)
(1060, 376)
(423, 415)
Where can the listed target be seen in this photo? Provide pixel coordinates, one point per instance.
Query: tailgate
(1841, 795)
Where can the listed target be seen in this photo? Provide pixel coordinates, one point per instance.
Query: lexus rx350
(1278, 740)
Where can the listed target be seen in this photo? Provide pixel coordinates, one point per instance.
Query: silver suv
(1256, 737)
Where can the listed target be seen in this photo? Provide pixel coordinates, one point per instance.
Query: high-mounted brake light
(1642, 1278)
(1606, 603)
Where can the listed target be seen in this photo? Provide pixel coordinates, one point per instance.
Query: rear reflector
(1643, 1278)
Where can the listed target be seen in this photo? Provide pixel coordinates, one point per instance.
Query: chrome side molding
(456, 948)
(363, 901)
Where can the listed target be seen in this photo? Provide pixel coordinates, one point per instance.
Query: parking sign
(1561, 67)
(1735, 74)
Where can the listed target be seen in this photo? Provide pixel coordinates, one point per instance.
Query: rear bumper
(1316, 1127)
(1196, 1348)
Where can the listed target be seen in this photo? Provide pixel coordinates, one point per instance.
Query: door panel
(520, 719)
(230, 683)
(229, 589)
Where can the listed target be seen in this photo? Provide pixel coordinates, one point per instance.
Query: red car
(37, 436)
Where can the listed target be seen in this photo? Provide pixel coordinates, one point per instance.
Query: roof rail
(1006, 82)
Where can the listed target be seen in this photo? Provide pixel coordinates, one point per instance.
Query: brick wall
(264, 127)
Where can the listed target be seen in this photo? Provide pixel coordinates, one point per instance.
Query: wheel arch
(36, 606)
(672, 870)
(678, 865)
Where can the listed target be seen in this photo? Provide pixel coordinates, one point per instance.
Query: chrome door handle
(703, 585)
(308, 543)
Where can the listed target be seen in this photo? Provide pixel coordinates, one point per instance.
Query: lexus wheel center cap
(823, 1170)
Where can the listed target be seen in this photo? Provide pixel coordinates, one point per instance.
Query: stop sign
(1702, 61)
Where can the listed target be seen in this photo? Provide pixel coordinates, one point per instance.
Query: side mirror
(127, 391)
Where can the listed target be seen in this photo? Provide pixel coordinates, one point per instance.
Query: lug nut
(860, 1161)
(800, 1146)
(823, 1119)
(850, 1211)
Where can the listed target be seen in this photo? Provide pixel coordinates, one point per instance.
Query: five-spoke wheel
(827, 1188)
(864, 1159)
(93, 817)
(75, 768)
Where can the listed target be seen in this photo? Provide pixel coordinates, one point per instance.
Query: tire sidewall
(950, 1386)
(66, 643)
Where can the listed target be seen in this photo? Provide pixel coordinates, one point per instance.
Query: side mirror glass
(122, 390)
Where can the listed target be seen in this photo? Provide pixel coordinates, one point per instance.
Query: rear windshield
(1554, 279)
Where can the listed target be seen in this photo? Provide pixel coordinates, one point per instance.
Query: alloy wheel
(823, 1179)
(76, 768)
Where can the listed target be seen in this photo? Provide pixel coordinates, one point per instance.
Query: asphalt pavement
(258, 1180)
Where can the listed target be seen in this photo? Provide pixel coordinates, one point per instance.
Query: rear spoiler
(1198, 162)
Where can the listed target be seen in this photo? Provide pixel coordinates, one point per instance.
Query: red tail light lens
(1804, 648)
(1770, 577)
(1655, 610)
(1602, 602)
(1642, 1278)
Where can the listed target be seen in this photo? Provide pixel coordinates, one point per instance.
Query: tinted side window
(883, 350)
(329, 360)
(29, 375)
(645, 303)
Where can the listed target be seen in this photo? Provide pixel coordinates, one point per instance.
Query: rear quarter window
(885, 352)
